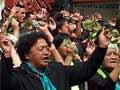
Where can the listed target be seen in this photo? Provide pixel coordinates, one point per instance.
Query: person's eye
(40, 48)
(108, 54)
(115, 53)
(23, 13)
(47, 48)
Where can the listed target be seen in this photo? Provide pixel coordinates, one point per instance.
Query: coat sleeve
(6, 73)
(77, 74)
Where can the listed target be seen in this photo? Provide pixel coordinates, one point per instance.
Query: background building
(87, 7)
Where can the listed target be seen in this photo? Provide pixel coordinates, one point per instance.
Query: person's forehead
(22, 10)
(112, 50)
(41, 41)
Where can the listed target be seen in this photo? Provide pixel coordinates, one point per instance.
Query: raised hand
(70, 47)
(13, 11)
(90, 47)
(52, 24)
(44, 28)
(104, 38)
(5, 45)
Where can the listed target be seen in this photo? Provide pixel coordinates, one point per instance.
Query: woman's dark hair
(27, 40)
(27, 15)
(5, 12)
(59, 19)
(20, 4)
(58, 40)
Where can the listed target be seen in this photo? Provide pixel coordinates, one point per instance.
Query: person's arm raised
(84, 71)
(54, 51)
(9, 50)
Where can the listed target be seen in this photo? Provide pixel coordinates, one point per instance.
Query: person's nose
(113, 56)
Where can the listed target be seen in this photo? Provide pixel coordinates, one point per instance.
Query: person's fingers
(91, 44)
(109, 35)
(42, 23)
(51, 19)
(51, 24)
(3, 38)
(72, 45)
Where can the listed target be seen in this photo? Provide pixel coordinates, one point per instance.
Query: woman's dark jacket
(62, 77)
(97, 82)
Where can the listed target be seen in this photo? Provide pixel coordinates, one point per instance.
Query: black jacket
(97, 82)
(62, 77)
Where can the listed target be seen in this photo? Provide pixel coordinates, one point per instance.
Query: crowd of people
(58, 50)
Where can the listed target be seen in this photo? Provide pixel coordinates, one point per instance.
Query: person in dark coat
(37, 72)
(107, 76)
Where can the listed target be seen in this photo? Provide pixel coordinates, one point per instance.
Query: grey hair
(114, 46)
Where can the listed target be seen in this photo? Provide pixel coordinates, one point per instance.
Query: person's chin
(21, 20)
(45, 63)
(112, 65)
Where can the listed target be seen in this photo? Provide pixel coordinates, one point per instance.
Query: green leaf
(89, 24)
(115, 33)
(114, 41)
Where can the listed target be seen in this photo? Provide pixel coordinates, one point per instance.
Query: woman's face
(65, 28)
(20, 15)
(111, 59)
(39, 54)
(64, 47)
(72, 27)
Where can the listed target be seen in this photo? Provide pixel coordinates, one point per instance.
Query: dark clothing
(62, 77)
(97, 82)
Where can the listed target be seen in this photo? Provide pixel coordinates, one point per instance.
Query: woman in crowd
(107, 76)
(37, 72)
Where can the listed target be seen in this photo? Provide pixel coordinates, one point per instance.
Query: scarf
(47, 85)
(101, 73)
(117, 85)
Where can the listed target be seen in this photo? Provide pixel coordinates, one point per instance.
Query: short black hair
(27, 14)
(58, 40)
(60, 20)
(6, 12)
(20, 4)
(27, 40)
